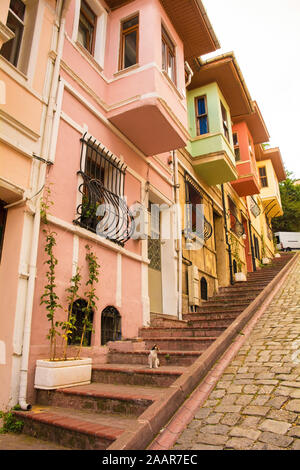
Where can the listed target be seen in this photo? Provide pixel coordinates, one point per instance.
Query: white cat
(152, 358)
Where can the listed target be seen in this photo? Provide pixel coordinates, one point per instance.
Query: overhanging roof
(225, 70)
(255, 123)
(191, 22)
(274, 155)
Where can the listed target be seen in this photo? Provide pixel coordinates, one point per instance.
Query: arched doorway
(110, 325)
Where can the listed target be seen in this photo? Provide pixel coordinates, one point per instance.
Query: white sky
(265, 37)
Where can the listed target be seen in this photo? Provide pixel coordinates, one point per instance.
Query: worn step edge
(158, 414)
(72, 424)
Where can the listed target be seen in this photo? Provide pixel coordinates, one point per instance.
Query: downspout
(252, 247)
(226, 235)
(178, 236)
(36, 223)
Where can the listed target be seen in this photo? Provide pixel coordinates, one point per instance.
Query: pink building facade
(116, 112)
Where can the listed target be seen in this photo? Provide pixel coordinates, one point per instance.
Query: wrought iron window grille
(111, 323)
(103, 209)
(204, 232)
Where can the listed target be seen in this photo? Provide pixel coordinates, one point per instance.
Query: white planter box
(265, 261)
(240, 277)
(277, 255)
(60, 374)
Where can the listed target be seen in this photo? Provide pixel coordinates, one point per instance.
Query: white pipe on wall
(36, 223)
(179, 238)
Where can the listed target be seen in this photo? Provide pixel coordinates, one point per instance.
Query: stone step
(180, 344)
(74, 429)
(186, 332)
(136, 374)
(220, 323)
(101, 398)
(224, 306)
(179, 358)
(210, 316)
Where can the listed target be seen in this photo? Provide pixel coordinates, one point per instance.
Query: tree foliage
(290, 198)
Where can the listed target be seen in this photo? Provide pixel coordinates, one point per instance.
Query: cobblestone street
(256, 404)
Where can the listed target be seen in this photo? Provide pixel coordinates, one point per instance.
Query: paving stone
(214, 418)
(296, 444)
(278, 427)
(294, 431)
(228, 408)
(256, 410)
(215, 429)
(231, 419)
(244, 399)
(251, 389)
(275, 439)
(293, 405)
(203, 413)
(277, 402)
(239, 443)
(211, 439)
(249, 433)
(250, 421)
(283, 415)
(260, 400)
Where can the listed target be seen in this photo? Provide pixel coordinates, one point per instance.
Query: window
(201, 115)
(203, 286)
(15, 22)
(87, 27)
(168, 56)
(236, 147)
(195, 221)
(79, 312)
(3, 213)
(256, 247)
(103, 177)
(110, 325)
(235, 225)
(263, 177)
(225, 121)
(129, 43)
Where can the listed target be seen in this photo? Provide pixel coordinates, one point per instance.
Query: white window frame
(100, 33)
(27, 59)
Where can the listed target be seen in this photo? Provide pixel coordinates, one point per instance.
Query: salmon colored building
(108, 110)
(108, 104)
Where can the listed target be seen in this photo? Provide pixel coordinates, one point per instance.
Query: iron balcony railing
(103, 209)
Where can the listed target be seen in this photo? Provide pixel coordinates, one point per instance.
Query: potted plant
(58, 370)
(239, 276)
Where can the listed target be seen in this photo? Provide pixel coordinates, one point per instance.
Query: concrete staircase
(97, 416)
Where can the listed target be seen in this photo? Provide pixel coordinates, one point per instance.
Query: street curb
(162, 411)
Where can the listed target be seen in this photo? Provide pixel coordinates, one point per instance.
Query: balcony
(149, 110)
(271, 171)
(213, 159)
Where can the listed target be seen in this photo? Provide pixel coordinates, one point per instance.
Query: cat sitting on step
(153, 358)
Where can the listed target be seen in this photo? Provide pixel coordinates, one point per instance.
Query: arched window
(203, 284)
(110, 325)
(79, 307)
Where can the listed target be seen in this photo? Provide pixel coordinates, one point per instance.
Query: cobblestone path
(256, 404)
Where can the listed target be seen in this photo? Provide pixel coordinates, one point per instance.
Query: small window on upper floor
(87, 27)
(201, 115)
(225, 121)
(263, 177)
(15, 22)
(129, 43)
(168, 56)
(236, 147)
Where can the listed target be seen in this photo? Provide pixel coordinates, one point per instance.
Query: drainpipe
(252, 247)
(189, 72)
(226, 235)
(179, 238)
(36, 223)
